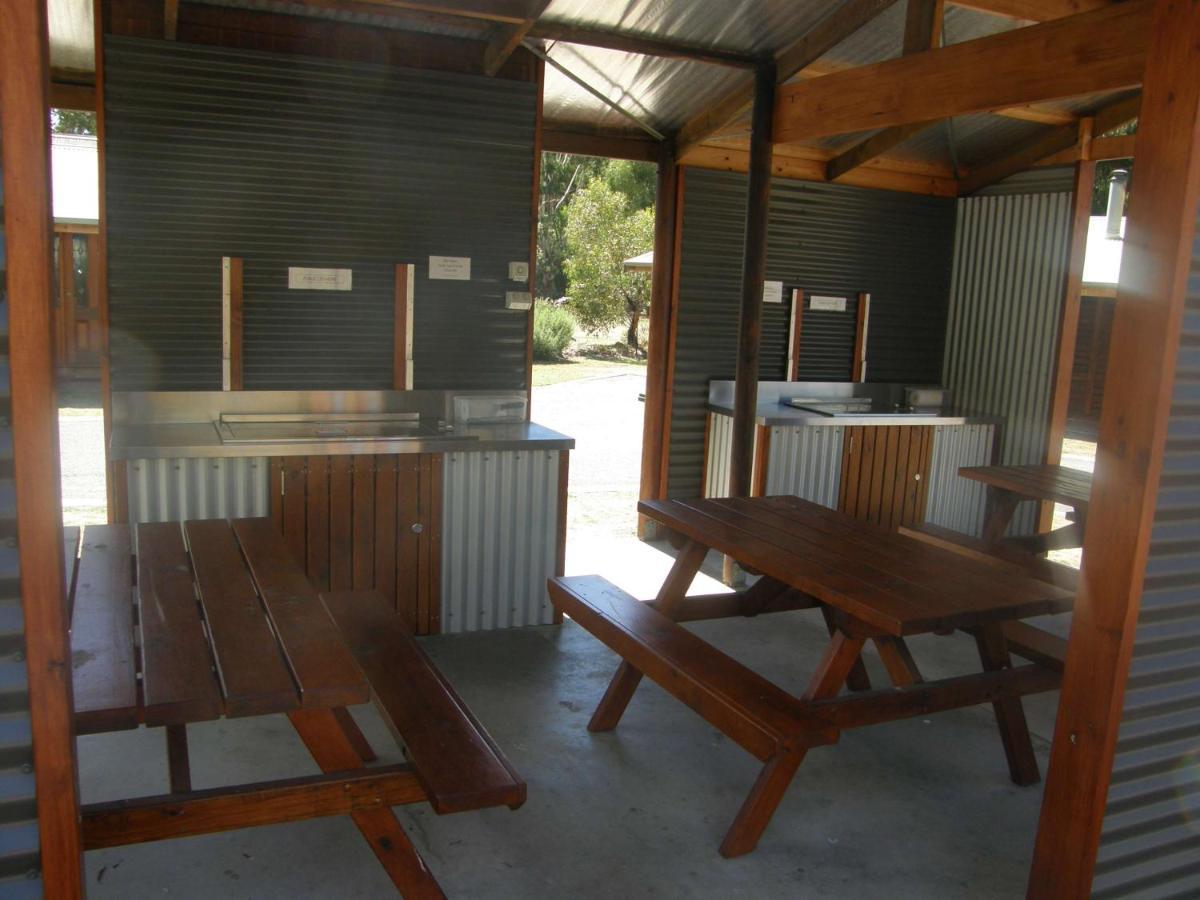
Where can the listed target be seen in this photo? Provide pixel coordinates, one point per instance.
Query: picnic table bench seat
(453, 756)
(211, 618)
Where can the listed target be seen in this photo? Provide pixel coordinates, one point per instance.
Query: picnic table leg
(178, 767)
(898, 660)
(858, 679)
(772, 783)
(1001, 505)
(620, 690)
(333, 751)
(354, 734)
(1010, 714)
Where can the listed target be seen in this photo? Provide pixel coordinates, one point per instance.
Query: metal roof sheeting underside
(663, 92)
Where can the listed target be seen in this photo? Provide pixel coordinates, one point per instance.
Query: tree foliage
(563, 177)
(602, 231)
(72, 121)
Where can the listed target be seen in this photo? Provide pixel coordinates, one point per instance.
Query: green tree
(72, 121)
(636, 180)
(602, 232)
(562, 176)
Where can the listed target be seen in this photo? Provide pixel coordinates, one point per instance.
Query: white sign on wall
(772, 292)
(828, 304)
(301, 279)
(450, 268)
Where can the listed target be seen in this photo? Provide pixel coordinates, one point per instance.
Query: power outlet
(518, 300)
(518, 271)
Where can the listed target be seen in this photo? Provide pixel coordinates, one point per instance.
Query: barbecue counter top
(310, 423)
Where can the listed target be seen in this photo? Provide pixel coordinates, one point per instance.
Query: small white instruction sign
(828, 304)
(301, 279)
(772, 292)
(450, 268)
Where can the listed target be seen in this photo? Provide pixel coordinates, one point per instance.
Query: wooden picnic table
(1008, 485)
(211, 619)
(870, 585)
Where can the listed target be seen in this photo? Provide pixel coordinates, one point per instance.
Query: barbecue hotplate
(284, 429)
(852, 406)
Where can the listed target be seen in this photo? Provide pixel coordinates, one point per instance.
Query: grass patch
(579, 368)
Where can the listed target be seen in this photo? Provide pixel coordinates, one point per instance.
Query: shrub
(553, 328)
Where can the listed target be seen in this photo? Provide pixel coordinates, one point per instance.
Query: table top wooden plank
(179, 682)
(872, 581)
(871, 550)
(253, 674)
(1072, 487)
(103, 660)
(320, 663)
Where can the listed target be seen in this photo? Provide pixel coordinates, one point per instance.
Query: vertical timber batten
(754, 273)
(540, 70)
(1133, 429)
(1068, 327)
(24, 85)
(656, 419)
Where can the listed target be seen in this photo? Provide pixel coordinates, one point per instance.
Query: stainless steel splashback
(173, 407)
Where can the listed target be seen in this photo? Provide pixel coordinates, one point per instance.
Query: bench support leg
(760, 805)
(178, 767)
(333, 751)
(354, 734)
(752, 819)
(620, 690)
(1010, 714)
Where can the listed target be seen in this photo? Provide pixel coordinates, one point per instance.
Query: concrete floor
(920, 809)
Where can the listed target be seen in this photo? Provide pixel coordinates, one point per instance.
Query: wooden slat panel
(455, 760)
(178, 682)
(363, 562)
(385, 526)
(250, 666)
(104, 662)
(319, 661)
(884, 450)
(412, 607)
(295, 507)
(317, 516)
(341, 523)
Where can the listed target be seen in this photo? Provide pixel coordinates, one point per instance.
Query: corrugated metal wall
(499, 538)
(1151, 841)
(806, 462)
(174, 490)
(1010, 255)
(291, 161)
(953, 501)
(827, 239)
(19, 865)
(720, 452)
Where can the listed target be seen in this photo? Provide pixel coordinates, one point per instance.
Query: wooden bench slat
(752, 711)
(254, 678)
(103, 656)
(454, 758)
(178, 681)
(321, 666)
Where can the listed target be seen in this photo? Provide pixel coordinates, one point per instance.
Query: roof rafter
(1088, 53)
(1030, 152)
(638, 43)
(508, 38)
(922, 31)
(1033, 10)
(819, 40)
